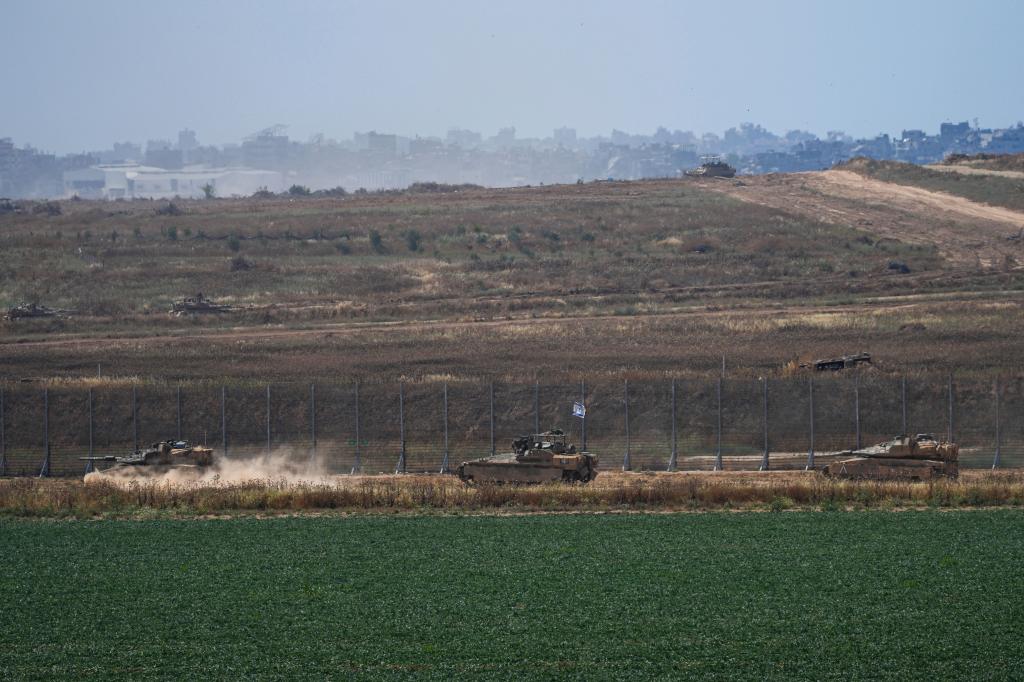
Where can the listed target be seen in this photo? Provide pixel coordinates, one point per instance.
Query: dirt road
(966, 233)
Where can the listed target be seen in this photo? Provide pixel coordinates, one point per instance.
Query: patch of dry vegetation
(998, 162)
(417, 255)
(986, 189)
(979, 337)
(663, 492)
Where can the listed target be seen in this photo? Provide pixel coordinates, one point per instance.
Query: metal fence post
(400, 469)
(135, 419)
(673, 459)
(88, 462)
(224, 418)
(810, 451)
(903, 402)
(492, 417)
(312, 423)
(177, 400)
(3, 436)
(764, 420)
(536, 406)
(268, 419)
(718, 427)
(444, 462)
(949, 425)
(583, 421)
(999, 431)
(856, 410)
(45, 469)
(358, 465)
(626, 464)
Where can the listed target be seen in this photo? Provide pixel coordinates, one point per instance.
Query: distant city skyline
(172, 138)
(79, 76)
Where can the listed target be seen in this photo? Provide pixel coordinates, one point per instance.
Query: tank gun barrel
(100, 458)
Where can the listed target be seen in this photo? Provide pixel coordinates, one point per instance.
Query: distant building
(132, 181)
(379, 143)
(162, 154)
(565, 137)
(950, 132)
(465, 139)
(187, 144)
(425, 146)
(265, 151)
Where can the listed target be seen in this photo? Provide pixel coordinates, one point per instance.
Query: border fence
(739, 424)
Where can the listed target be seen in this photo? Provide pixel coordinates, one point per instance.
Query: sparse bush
(299, 191)
(50, 208)
(376, 242)
(413, 239)
(169, 209)
(234, 243)
(240, 263)
(338, 191)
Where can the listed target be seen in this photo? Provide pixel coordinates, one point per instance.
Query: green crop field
(915, 595)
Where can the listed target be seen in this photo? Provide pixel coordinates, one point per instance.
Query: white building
(132, 181)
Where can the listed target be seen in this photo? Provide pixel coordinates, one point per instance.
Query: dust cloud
(282, 465)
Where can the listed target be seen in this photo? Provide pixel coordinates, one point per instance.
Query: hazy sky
(79, 74)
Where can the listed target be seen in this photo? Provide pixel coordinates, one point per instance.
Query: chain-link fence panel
(975, 424)
(426, 427)
(1012, 426)
(346, 428)
(789, 423)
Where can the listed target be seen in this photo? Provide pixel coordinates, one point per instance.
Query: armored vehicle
(31, 310)
(713, 167)
(198, 304)
(918, 458)
(836, 364)
(166, 454)
(538, 458)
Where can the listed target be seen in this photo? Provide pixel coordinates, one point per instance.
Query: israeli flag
(579, 410)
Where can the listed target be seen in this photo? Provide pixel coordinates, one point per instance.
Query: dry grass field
(142, 496)
(638, 279)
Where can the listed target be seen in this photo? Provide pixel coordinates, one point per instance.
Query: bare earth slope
(966, 233)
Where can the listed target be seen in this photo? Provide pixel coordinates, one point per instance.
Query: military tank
(165, 455)
(191, 305)
(538, 458)
(27, 310)
(840, 363)
(712, 167)
(918, 458)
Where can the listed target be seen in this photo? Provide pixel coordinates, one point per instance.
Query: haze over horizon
(80, 76)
